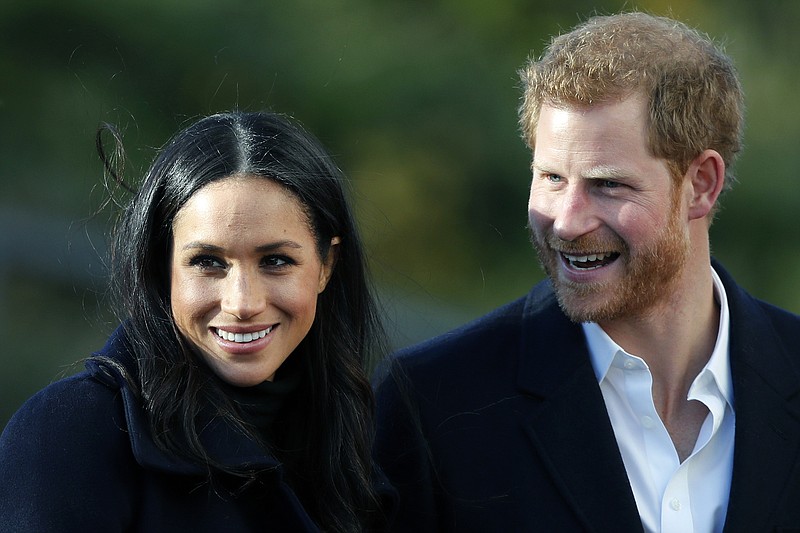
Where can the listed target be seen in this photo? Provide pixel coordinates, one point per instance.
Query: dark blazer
(78, 456)
(500, 425)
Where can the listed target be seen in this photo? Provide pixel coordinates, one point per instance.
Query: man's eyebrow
(542, 167)
(595, 173)
(605, 172)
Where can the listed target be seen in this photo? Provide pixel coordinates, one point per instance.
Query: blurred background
(417, 101)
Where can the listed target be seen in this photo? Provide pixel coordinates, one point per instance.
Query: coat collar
(226, 445)
(569, 425)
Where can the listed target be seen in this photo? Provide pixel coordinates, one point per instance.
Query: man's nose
(573, 213)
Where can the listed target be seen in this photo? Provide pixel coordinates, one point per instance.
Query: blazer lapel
(570, 427)
(767, 405)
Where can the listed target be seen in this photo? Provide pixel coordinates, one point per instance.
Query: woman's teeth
(243, 337)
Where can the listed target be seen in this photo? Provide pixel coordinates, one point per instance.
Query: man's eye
(608, 184)
(555, 178)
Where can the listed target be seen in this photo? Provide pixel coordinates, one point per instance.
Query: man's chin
(586, 304)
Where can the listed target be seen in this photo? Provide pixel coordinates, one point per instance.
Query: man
(639, 388)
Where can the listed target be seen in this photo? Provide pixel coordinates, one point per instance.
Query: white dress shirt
(672, 497)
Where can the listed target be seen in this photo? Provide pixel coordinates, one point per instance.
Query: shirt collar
(603, 350)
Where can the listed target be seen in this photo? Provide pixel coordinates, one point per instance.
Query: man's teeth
(243, 337)
(588, 262)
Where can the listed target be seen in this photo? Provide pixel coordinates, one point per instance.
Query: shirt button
(675, 504)
(630, 365)
(647, 422)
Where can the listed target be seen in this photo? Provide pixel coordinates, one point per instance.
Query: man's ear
(328, 264)
(706, 175)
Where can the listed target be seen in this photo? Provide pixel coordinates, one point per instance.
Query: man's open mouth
(589, 261)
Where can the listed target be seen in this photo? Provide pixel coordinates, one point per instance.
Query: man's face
(605, 218)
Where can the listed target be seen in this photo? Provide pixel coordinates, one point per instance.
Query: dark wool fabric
(501, 426)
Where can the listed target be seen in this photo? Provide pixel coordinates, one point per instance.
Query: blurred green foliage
(417, 100)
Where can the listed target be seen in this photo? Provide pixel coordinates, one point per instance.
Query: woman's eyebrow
(264, 248)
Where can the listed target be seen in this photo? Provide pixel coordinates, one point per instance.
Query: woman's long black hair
(334, 468)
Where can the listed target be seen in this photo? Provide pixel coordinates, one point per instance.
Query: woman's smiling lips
(238, 340)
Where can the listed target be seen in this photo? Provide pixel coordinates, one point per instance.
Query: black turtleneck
(260, 405)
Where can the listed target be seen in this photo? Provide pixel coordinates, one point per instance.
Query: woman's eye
(277, 261)
(206, 262)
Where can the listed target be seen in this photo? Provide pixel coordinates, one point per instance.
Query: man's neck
(676, 340)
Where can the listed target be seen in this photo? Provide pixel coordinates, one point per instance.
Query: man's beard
(648, 277)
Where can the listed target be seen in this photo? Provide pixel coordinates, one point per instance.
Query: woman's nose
(243, 295)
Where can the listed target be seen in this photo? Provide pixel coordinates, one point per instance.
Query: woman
(233, 396)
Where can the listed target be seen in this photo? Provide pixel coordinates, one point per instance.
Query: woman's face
(244, 276)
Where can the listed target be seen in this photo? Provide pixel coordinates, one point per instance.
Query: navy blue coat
(501, 426)
(78, 457)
